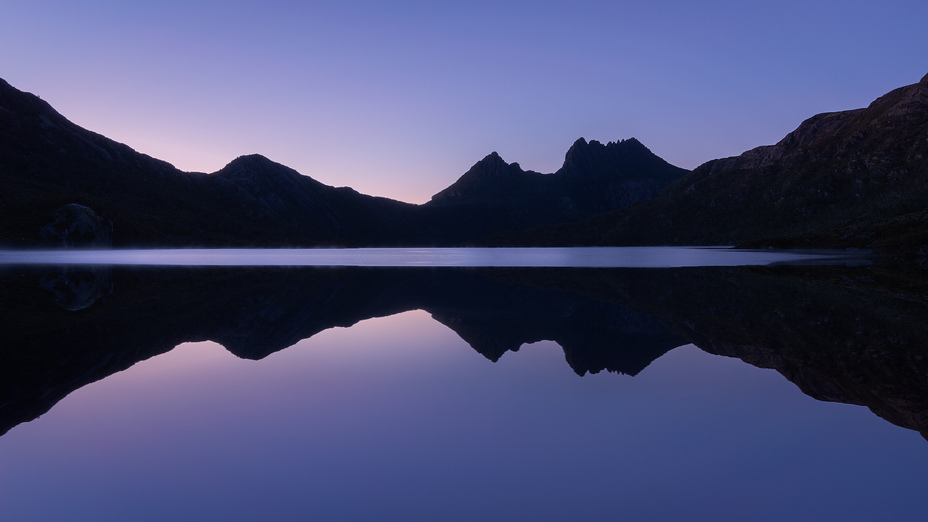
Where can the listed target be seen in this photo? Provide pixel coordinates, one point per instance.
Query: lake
(230, 388)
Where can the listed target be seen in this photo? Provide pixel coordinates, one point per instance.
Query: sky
(398, 99)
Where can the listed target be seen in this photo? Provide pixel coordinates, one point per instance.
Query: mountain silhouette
(855, 178)
(595, 178)
(49, 164)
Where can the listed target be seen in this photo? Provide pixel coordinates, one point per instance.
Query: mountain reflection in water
(845, 334)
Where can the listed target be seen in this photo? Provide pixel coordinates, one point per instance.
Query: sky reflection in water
(397, 418)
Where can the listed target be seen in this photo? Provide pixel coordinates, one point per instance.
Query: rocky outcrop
(75, 225)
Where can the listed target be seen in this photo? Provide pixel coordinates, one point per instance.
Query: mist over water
(612, 257)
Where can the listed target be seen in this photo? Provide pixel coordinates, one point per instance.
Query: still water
(284, 393)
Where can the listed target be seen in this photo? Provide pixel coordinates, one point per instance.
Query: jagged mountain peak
(490, 167)
(485, 175)
(627, 158)
(582, 146)
(596, 177)
(491, 161)
(853, 178)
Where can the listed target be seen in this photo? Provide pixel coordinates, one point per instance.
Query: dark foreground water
(285, 393)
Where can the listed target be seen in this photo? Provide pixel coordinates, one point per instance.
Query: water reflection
(844, 334)
(78, 287)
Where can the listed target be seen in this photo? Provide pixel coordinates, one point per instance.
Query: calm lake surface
(491, 392)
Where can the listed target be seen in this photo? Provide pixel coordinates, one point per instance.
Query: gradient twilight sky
(399, 99)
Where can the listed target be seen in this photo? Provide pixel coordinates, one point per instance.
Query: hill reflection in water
(844, 334)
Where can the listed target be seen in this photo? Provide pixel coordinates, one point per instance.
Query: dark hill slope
(47, 162)
(852, 178)
(304, 211)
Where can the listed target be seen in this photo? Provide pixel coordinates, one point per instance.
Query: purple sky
(400, 98)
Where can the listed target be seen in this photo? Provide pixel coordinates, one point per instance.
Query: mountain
(495, 196)
(63, 185)
(303, 211)
(48, 163)
(856, 178)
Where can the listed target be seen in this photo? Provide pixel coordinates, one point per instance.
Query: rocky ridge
(48, 163)
(856, 178)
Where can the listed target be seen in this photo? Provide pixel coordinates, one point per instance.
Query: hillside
(62, 185)
(857, 178)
